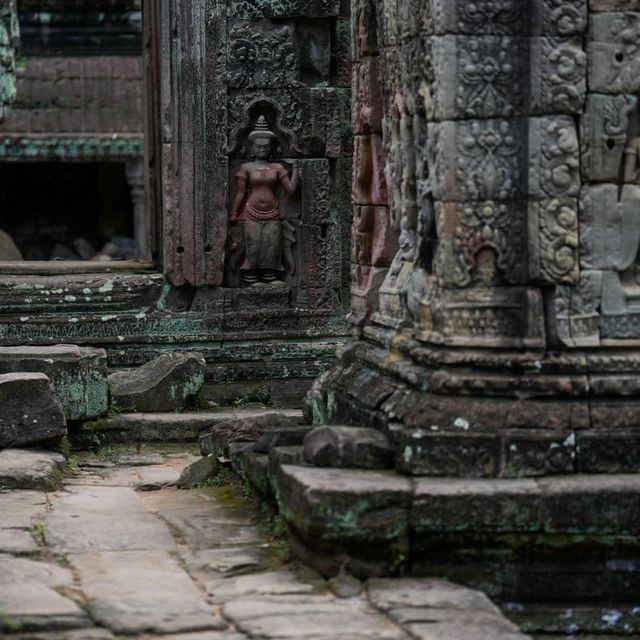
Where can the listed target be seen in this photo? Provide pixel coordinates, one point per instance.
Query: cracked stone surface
(120, 551)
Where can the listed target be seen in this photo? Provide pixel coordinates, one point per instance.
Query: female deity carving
(257, 207)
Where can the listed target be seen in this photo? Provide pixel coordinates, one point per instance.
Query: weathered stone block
(530, 453)
(608, 451)
(374, 240)
(283, 437)
(198, 472)
(604, 132)
(350, 447)
(248, 428)
(342, 504)
(163, 384)
(612, 502)
(476, 506)
(609, 226)
(614, 5)
(365, 28)
(369, 182)
(423, 452)
(365, 283)
(78, 375)
(31, 413)
(613, 53)
(368, 102)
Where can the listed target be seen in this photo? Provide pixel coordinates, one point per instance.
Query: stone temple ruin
(373, 265)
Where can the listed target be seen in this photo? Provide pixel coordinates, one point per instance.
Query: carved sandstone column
(505, 343)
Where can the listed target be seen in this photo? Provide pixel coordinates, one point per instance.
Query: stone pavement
(120, 552)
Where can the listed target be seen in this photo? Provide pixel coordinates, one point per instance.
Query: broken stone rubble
(166, 383)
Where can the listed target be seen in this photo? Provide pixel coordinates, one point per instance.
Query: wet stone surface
(119, 551)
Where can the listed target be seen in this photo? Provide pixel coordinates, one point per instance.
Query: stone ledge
(161, 427)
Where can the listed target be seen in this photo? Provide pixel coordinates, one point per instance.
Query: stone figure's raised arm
(290, 185)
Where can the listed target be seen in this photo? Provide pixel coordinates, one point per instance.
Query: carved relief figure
(267, 238)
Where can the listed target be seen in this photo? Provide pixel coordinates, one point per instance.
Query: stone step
(78, 375)
(523, 539)
(163, 427)
(467, 452)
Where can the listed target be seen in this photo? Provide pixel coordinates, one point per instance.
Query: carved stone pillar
(136, 180)
(514, 185)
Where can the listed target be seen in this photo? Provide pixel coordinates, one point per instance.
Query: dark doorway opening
(68, 210)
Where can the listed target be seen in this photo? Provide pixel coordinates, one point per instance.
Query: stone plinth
(78, 375)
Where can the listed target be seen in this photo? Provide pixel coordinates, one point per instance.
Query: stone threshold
(61, 267)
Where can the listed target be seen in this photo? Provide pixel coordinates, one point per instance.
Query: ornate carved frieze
(257, 9)
(553, 241)
(481, 243)
(508, 317)
(558, 75)
(475, 160)
(262, 55)
(554, 161)
(560, 18)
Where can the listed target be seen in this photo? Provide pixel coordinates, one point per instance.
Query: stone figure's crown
(261, 130)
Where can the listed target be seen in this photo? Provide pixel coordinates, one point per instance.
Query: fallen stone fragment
(30, 411)
(33, 606)
(348, 447)
(78, 375)
(167, 383)
(35, 470)
(198, 472)
(244, 428)
(345, 586)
